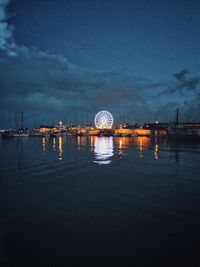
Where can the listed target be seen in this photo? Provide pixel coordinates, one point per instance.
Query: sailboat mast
(22, 119)
(16, 123)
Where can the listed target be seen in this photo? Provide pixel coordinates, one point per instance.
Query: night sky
(66, 60)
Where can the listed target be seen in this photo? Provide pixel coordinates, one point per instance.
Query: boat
(176, 131)
(21, 134)
(7, 134)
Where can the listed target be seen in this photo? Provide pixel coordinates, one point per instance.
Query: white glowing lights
(103, 149)
(103, 120)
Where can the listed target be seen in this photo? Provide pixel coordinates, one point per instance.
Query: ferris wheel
(103, 120)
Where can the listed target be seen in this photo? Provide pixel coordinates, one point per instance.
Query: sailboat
(21, 132)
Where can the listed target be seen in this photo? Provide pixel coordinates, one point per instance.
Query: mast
(22, 119)
(16, 123)
(177, 115)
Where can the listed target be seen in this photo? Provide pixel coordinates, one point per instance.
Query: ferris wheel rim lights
(103, 120)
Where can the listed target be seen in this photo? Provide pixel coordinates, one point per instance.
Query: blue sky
(61, 57)
(152, 38)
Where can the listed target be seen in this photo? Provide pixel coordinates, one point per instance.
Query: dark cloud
(186, 83)
(181, 85)
(47, 87)
(34, 81)
(181, 76)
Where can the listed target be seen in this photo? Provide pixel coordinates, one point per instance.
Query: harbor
(172, 130)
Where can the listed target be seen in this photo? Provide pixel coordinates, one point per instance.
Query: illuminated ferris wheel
(103, 120)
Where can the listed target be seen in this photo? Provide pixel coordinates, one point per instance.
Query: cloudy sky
(67, 59)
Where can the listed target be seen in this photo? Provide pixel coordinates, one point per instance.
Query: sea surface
(99, 201)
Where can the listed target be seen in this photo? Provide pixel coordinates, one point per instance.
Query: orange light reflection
(142, 143)
(60, 151)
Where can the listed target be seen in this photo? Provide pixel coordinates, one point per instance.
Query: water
(99, 201)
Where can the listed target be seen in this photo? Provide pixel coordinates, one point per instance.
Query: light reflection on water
(60, 151)
(100, 150)
(156, 151)
(43, 145)
(54, 144)
(103, 150)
